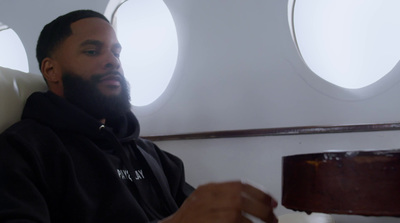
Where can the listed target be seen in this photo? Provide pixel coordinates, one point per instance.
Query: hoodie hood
(59, 114)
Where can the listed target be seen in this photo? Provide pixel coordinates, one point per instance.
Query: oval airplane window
(12, 53)
(148, 36)
(351, 44)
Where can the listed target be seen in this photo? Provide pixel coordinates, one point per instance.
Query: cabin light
(12, 54)
(148, 36)
(351, 44)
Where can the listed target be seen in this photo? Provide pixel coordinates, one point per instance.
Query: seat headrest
(15, 87)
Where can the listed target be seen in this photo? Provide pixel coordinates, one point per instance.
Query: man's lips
(111, 79)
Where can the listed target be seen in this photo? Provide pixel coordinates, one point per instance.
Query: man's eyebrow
(91, 42)
(98, 43)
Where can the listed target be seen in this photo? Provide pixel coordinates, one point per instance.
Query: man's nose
(112, 61)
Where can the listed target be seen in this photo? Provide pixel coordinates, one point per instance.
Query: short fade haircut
(54, 33)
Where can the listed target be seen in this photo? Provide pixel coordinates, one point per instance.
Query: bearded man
(76, 155)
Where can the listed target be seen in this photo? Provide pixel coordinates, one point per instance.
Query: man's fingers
(259, 195)
(230, 200)
(260, 210)
(259, 204)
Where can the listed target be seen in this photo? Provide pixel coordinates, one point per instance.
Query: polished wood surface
(356, 183)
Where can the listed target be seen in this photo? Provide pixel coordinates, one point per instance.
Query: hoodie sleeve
(21, 197)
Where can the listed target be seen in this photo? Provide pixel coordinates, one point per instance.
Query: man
(76, 155)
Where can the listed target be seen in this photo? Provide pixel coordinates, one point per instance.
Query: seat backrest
(15, 87)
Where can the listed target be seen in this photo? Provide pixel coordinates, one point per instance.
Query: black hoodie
(58, 164)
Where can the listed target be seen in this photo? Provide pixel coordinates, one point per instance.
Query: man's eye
(91, 52)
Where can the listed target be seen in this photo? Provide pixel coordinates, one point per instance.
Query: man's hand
(225, 202)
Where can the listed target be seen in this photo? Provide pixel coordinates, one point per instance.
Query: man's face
(92, 50)
(91, 73)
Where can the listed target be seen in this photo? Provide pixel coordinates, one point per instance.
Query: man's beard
(86, 95)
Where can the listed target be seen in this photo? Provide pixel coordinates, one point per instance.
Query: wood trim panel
(278, 131)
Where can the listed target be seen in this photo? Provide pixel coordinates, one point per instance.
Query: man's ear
(50, 71)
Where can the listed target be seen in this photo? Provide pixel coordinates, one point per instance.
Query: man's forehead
(92, 30)
(91, 27)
